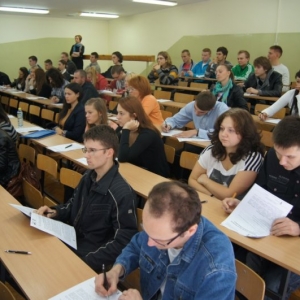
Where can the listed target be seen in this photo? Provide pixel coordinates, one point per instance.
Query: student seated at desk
(19, 83)
(265, 81)
(279, 175)
(164, 70)
(231, 163)
(117, 59)
(58, 83)
(140, 88)
(4, 79)
(6, 125)
(102, 209)
(98, 81)
(180, 254)
(226, 90)
(187, 63)
(95, 113)
(36, 84)
(71, 120)
(204, 112)
(243, 69)
(199, 69)
(290, 99)
(140, 141)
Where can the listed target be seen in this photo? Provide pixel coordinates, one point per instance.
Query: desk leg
(282, 288)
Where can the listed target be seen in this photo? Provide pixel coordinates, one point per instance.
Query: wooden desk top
(173, 104)
(177, 87)
(107, 93)
(258, 121)
(260, 97)
(52, 267)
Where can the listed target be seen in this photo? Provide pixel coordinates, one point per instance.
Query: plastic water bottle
(20, 117)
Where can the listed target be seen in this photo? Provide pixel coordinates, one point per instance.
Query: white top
(284, 100)
(284, 71)
(216, 172)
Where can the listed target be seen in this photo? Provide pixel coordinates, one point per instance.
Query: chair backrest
(162, 95)
(188, 160)
(266, 138)
(34, 110)
(69, 177)
(248, 283)
(5, 293)
(190, 125)
(27, 153)
(112, 105)
(47, 114)
(293, 85)
(5, 102)
(13, 103)
(33, 197)
(279, 115)
(47, 164)
(182, 83)
(139, 216)
(183, 98)
(24, 106)
(49, 202)
(165, 114)
(170, 153)
(199, 85)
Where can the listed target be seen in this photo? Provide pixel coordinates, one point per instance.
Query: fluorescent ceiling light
(24, 10)
(158, 2)
(96, 15)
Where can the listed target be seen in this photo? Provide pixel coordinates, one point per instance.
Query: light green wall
(256, 44)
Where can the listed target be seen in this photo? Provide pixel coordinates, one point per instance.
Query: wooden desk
(179, 88)
(173, 104)
(107, 93)
(255, 97)
(52, 267)
(257, 120)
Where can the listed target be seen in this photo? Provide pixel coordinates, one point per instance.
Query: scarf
(223, 90)
(265, 82)
(79, 47)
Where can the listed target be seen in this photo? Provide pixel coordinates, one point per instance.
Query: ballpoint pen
(105, 282)
(68, 146)
(18, 252)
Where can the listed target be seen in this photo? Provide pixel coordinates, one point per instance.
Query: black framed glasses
(92, 150)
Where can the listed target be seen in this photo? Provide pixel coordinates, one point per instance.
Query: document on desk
(84, 291)
(163, 100)
(272, 121)
(82, 160)
(106, 92)
(28, 129)
(254, 216)
(24, 209)
(193, 139)
(63, 231)
(66, 147)
(171, 132)
(11, 116)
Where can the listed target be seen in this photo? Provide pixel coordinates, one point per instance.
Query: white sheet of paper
(24, 209)
(199, 76)
(193, 139)
(163, 100)
(83, 291)
(65, 148)
(16, 92)
(11, 116)
(273, 121)
(28, 129)
(32, 98)
(63, 231)
(82, 160)
(105, 92)
(171, 132)
(254, 216)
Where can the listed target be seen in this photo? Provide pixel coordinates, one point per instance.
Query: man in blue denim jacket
(181, 255)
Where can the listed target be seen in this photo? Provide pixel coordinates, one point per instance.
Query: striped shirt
(10, 130)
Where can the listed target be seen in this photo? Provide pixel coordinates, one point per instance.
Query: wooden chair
(5, 293)
(190, 125)
(47, 114)
(266, 138)
(33, 197)
(25, 107)
(13, 103)
(112, 105)
(69, 177)
(182, 83)
(166, 114)
(188, 160)
(162, 95)
(293, 85)
(199, 85)
(174, 143)
(49, 202)
(183, 98)
(34, 110)
(56, 118)
(170, 153)
(248, 283)
(5, 103)
(279, 115)
(26, 153)
(139, 216)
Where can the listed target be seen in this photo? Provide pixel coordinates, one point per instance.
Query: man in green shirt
(244, 68)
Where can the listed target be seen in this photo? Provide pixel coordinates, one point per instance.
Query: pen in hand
(105, 282)
(68, 146)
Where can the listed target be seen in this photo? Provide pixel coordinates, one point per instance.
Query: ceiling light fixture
(96, 15)
(24, 10)
(158, 2)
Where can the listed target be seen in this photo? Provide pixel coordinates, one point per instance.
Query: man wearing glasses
(181, 255)
(204, 112)
(102, 209)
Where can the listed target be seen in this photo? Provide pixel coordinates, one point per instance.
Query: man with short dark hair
(62, 68)
(200, 68)
(93, 59)
(88, 90)
(274, 54)
(243, 69)
(181, 255)
(279, 175)
(204, 111)
(71, 67)
(33, 63)
(221, 56)
(102, 209)
(118, 74)
(187, 64)
(48, 64)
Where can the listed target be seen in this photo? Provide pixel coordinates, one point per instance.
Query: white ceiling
(71, 8)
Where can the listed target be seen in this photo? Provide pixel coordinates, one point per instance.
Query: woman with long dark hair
(140, 141)
(58, 83)
(95, 112)
(36, 84)
(231, 163)
(20, 82)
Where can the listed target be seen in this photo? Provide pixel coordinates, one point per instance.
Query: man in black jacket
(102, 209)
(4, 79)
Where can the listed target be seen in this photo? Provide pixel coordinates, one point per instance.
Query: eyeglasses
(92, 150)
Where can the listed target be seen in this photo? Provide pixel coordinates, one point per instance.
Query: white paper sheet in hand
(24, 209)
(254, 216)
(63, 231)
(84, 291)
(65, 147)
(171, 132)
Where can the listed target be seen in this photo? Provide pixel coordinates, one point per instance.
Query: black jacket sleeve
(45, 91)
(236, 98)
